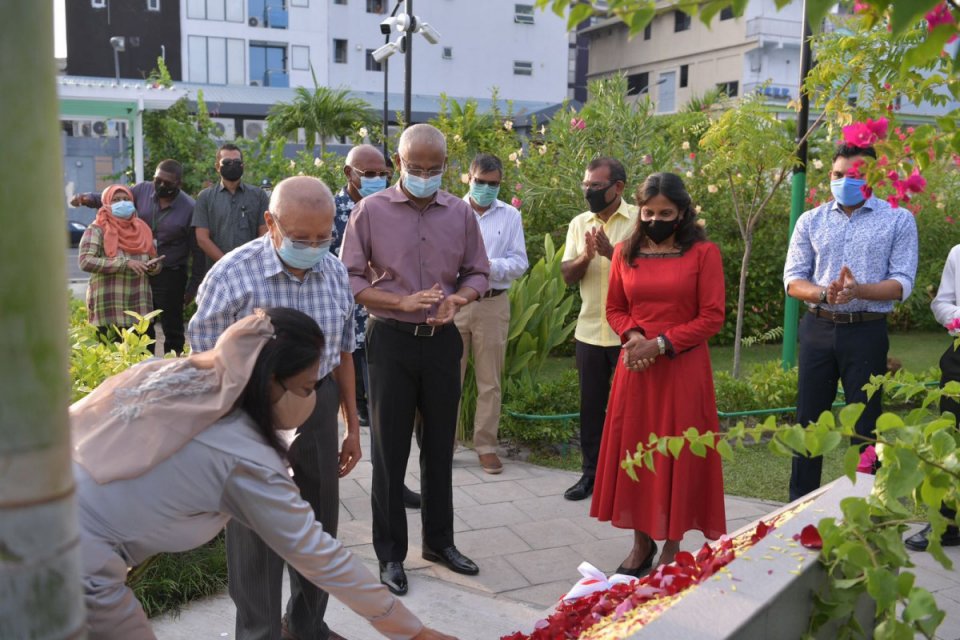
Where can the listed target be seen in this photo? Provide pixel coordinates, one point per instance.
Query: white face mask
(291, 410)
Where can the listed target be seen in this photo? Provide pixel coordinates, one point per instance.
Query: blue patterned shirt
(877, 242)
(252, 276)
(341, 218)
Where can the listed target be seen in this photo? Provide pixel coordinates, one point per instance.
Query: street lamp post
(408, 63)
(118, 43)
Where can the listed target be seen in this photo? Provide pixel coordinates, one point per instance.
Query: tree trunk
(40, 589)
(741, 301)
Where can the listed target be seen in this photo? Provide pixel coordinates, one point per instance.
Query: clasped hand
(597, 243)
(424, 300)
(844, 289)
(639, 352)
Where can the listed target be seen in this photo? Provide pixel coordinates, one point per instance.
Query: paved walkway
(528, 541)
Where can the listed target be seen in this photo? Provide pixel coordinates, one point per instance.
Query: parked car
(75, 232)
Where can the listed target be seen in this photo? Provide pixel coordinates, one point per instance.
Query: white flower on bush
(543, 149)
(689, 174)
(543, 129)
(318, 162)
(698, 209)
(363, 132)
(465, 178)
(513, 157)
(508, 125)
(818, 164)
(293, 165)
(685, 146)
(701, 223)
(457, 137)
(712, 188)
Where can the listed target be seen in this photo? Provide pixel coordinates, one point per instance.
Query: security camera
(401, 22)
(119, 43)
(382, 53)
(432, 35)
(386, 26)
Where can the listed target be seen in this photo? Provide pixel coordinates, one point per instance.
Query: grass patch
(169, 580)
(570, 460)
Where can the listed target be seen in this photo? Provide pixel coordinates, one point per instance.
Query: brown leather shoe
(491, 463)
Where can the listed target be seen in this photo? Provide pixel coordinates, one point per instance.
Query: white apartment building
(521, 51)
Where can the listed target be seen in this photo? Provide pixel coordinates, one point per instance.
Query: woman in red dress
(666, 299)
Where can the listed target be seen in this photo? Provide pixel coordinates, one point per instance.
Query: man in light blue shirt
(849, 260)
(485, 323)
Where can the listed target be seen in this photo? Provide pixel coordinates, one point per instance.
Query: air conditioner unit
(253, 21)
(224, 128)
(254, 128)
(82, 129)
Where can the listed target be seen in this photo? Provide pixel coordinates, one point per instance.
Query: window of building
(638, 83)
(299, 3)
(373, 65)
(268, 65)
(726, 13)
(729, 89)
(299, 57)
(98, 4)
(271, 14)
(684, 75)
(522, 68)
(648, 31)
(447, 53)
(523, 13)
(339, 51)
(681, 21)
(153, 5)
(229, 10)
(376, 6)
(215, 60)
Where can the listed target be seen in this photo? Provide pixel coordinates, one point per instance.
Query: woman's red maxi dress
(681, 297)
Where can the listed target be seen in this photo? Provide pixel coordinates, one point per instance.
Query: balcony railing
(774, 30)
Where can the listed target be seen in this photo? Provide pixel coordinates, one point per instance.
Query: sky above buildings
(59, 30)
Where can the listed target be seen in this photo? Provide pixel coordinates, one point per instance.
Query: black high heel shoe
(636, 572)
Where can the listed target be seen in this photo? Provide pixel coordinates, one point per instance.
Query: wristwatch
(823, 295)
(662, 345)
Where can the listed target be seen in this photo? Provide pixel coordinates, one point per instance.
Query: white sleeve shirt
(502, 230)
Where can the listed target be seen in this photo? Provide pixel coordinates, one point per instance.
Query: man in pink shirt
(415, 255)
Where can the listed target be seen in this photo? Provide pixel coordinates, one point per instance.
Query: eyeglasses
(594, 186)
(230, 163)
(371, 174)
(160, 182)
(422, 173)
(303, 244)
(487, 183)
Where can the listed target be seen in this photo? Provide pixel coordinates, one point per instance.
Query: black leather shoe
(919, 541)
(644, 566)
(411, 499)
(581, 490)
(393, 576)
(452, 559)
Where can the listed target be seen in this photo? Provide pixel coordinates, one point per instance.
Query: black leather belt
(493, 293)
(419, 330)
(844, 317)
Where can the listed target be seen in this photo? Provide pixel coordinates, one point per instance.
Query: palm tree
(322, 113)
(39, 553)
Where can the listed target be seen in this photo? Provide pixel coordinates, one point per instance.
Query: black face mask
(597, 199)
(232, 171)
(165, 190)
(659, 230)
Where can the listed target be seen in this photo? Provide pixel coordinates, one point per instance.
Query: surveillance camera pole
(116, 63)
(408, 40)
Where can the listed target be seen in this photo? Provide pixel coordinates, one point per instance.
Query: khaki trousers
(484, 325)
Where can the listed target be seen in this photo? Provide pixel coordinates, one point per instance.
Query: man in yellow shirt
(586, 259)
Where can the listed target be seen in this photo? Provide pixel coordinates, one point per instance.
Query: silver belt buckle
(425, 334)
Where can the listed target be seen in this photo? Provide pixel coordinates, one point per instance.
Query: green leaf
(639, 19)
(723, 448)
(907, 14)
(849, 416)
(675, 444)
(851, 459)
(892, 629)
(922, 610)
(882, 587)
(578, 14)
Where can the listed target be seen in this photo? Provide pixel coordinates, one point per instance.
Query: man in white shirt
(484, 324)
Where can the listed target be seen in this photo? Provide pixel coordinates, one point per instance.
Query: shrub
(554, 398)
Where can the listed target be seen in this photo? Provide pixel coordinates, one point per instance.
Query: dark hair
(670, 186)
(297, 344)
(171, 166)
(617, 172)
(229, 146)
(485, 163)
(845, 150)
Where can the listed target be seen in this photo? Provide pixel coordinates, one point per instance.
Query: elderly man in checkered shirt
(290, 266)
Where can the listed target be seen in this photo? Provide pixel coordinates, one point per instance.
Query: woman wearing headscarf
(168, 451)
(119, 253)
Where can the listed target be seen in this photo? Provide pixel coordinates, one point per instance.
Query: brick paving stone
(497, 541)
(492, 515)
(549, 534)
(549, 507)
(541, 595)
(492, 492)
(350, 488)
(496, 576)
(547, 565)
(553, 484)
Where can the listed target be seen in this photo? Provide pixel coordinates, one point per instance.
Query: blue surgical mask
(123, 209)
(421, 187)
(369, 186)
(484, 194)
(848, 191)
(300, 255)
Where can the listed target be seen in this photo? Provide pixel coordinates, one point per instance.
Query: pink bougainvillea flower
(518, 187)
(516, 202)
(864, 134)
(860, 7)
(810, 537)
(692, 155)
(866, 191)
(578, 124)
(894, 201)
(916, 183)
(953, 325)
(868, 460)
(941, 14)
(949, 219)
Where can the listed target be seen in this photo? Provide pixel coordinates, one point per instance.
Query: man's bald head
(365, 154)
(301, 196)
(422, 137)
